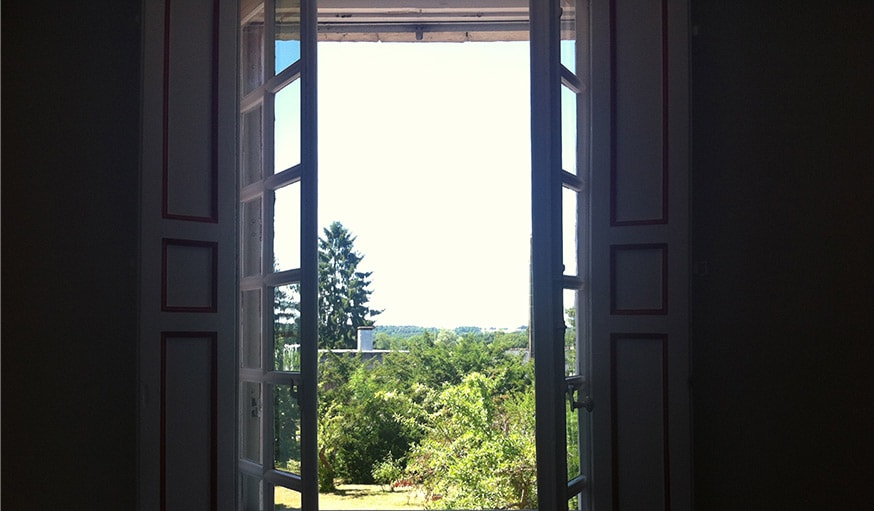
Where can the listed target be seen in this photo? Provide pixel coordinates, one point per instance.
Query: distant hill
(408, 331)
(403, 331)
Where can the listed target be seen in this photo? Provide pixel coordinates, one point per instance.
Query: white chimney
(365, 338)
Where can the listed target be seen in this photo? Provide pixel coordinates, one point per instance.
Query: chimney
(365, 338)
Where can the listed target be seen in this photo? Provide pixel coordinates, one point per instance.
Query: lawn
(355, 496)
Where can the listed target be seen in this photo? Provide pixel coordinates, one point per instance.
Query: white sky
(424, 156)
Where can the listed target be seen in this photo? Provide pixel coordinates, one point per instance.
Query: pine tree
(343, 291)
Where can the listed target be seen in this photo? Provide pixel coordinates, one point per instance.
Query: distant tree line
(400, 337)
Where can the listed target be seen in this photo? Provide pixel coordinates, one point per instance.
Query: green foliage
(453, 414)
(400, 332)
(359, 417)
(478, 450)
(570, 341)
(511, 340)
(343, 291)
(396, 337)
(286, 418)
(286, 357)
(465, 330)
(434, 364)
(388, 471)
(451, 410)
(286, 327)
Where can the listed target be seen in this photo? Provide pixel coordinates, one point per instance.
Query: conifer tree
(343, 290)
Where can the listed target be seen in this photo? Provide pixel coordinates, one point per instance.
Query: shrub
(478, 452)
(388, 471)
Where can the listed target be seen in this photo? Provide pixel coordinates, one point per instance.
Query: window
(618, 190)
(273, 167)
(276, 165)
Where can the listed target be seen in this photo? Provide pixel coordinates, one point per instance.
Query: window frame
(549, 180)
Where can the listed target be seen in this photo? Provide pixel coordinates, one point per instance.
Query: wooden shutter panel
(639, 258)
(187, 247)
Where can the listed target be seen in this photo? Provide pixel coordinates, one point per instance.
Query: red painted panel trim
(213, 338)
(639, 246)
(213, 246)
(663, 219)
(165, 178)
(666, 420)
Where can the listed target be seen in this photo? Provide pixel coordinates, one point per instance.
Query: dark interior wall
(783, 199)
(69, 194)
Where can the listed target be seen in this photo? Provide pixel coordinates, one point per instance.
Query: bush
(359, 419)
(478, 452)
(388, 471)
(455, 418)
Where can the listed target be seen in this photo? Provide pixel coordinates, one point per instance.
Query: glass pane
(569, 230)
(251, 46)
(572, 367)
(285, 498)
(570, 334)
(287, 48)
(572, 428)
(250, 234)
(250, 329)
(286, 328)
(568, 130)
(286, 150)
(568, 35)
(250, 421)
(251, 146)
(250, 493)
(286, 228)
(574, 503)
(286, 430)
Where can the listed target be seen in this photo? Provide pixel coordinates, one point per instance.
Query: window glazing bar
(576, 486)
(280, 478)
(572, 181)
(572, 81)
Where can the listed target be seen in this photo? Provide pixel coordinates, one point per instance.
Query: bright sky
(424, 156)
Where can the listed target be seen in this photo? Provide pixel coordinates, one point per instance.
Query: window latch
(575, 387)
(585, 403)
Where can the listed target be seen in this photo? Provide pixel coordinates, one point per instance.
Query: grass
(355, 496)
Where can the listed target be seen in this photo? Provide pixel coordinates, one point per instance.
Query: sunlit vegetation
(452, 418)
(443, 415)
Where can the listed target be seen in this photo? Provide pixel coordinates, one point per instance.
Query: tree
(359, 408)
(478, 451)
(375, 415)
(343, 291)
